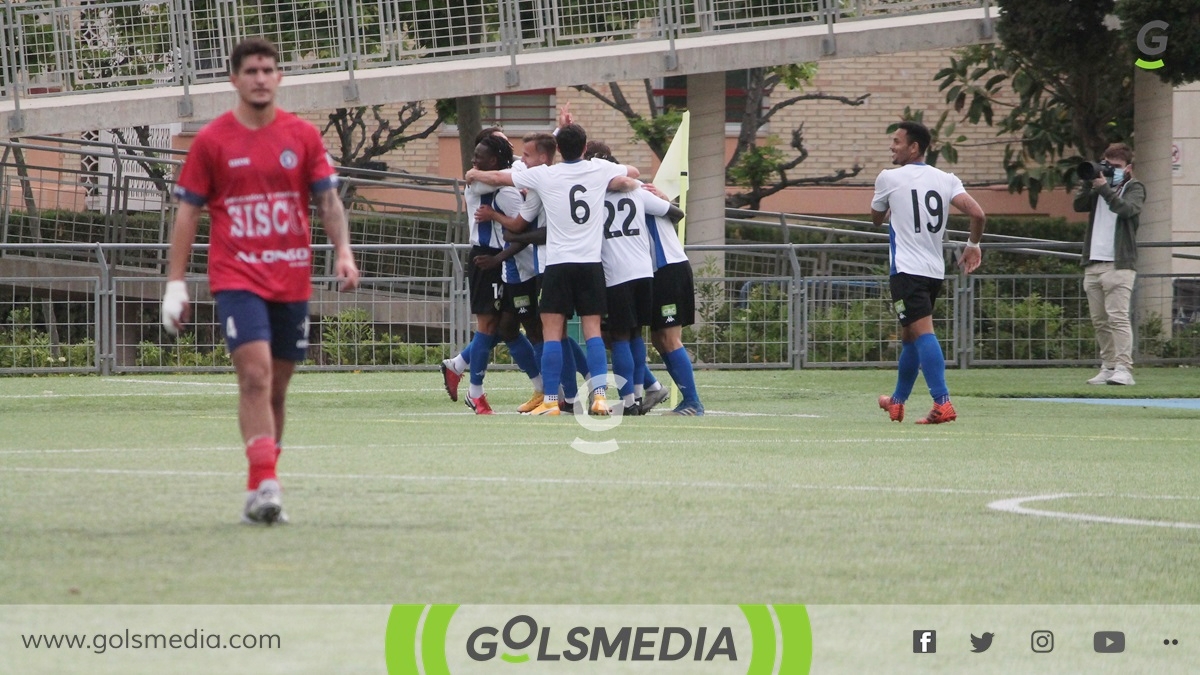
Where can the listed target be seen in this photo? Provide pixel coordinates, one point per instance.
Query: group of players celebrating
(580, 236)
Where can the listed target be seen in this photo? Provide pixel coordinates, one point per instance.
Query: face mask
(1118, 176)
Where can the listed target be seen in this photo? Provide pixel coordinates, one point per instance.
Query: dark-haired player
(256, 168)
(572, 193)
(918, 197)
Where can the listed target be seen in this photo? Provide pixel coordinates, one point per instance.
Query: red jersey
(257, 184)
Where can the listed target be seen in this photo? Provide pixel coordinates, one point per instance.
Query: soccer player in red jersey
(256, 168)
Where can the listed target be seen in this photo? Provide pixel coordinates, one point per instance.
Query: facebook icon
(924, 641)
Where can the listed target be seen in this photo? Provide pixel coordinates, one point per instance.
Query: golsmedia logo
(1151, 42)
(525, 640)
(627, 643)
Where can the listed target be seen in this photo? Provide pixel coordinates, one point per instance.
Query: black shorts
(630, 305)
(522, 299)
(487, 286)
(573, 288)
(674, 297)
(913, 296)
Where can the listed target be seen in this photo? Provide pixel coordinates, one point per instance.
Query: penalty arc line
(1016, 505)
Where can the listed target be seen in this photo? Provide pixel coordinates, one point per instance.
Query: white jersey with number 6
(627, 220)
(572, 195)
(918, 196)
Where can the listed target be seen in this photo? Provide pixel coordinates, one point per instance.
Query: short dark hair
(916, 132)
(545, 143)
(572, 139)
(498, 147)
(1119, 151)
(599, 149)
(255, 46)
(485, 132)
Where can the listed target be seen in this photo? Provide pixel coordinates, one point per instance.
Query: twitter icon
(981, 644)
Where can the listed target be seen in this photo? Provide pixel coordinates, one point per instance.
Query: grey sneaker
(264, 506)
(1103, 376)
(653, 398)
(1121, 376)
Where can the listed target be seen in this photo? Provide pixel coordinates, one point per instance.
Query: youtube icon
(1109, 642)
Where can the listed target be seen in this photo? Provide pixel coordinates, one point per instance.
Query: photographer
(1114, 199)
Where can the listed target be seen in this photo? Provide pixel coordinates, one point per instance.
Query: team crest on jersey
(521, 302)
(288, 159)
(669, 311)
(899, 308)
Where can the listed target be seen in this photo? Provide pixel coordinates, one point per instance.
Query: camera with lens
(1089, 171)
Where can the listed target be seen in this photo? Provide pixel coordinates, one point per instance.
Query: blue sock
(648, 380)
(568, 380)
(906, 373)
(481, 351)
(637, 346)
(680, 366)
(581, 362)
(537, 351)
(523, 355)
(933, 364)
(597, 362)
(552, 362)
(622, 366)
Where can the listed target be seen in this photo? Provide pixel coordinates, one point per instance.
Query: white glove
(175, 301)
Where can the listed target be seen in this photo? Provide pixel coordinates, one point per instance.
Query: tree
(762, 170)
(1181, 61)
(362, 140)
(1061, 82)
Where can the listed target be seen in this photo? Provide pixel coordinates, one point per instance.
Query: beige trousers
(1109, 291)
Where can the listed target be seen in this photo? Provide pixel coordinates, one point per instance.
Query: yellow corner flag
(672, 179)
(672, 176)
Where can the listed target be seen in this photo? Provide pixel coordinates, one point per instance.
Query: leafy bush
(23, 345)
(349, 339)
(1028, 328)
(184, 353)
(1153, 341)
(865, 330)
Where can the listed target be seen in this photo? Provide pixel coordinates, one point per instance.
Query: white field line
(1016, 505)
(521, 480)
(233, 392)
(471, 444)
(613, 482)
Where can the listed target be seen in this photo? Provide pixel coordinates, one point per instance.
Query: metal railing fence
(57, 47)
(99, 317)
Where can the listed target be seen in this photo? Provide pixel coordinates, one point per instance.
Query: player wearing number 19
(918, 197)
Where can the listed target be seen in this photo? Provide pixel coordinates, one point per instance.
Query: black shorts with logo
(573, 288)
(674, 297)
(913, 296)
(630, 305)
(487, 286)
(522, 299)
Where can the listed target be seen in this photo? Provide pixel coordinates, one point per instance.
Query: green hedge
(22, 345)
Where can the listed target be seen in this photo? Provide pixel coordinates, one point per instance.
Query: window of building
(673, 94)
(533, 109)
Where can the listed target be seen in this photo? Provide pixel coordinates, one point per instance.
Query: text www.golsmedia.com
(197, 639)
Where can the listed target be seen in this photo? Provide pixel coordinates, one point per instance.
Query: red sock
(262, 454)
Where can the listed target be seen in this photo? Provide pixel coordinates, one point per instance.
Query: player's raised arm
(515, 223)
(493, 178)
(624, 184)
(333, 220)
